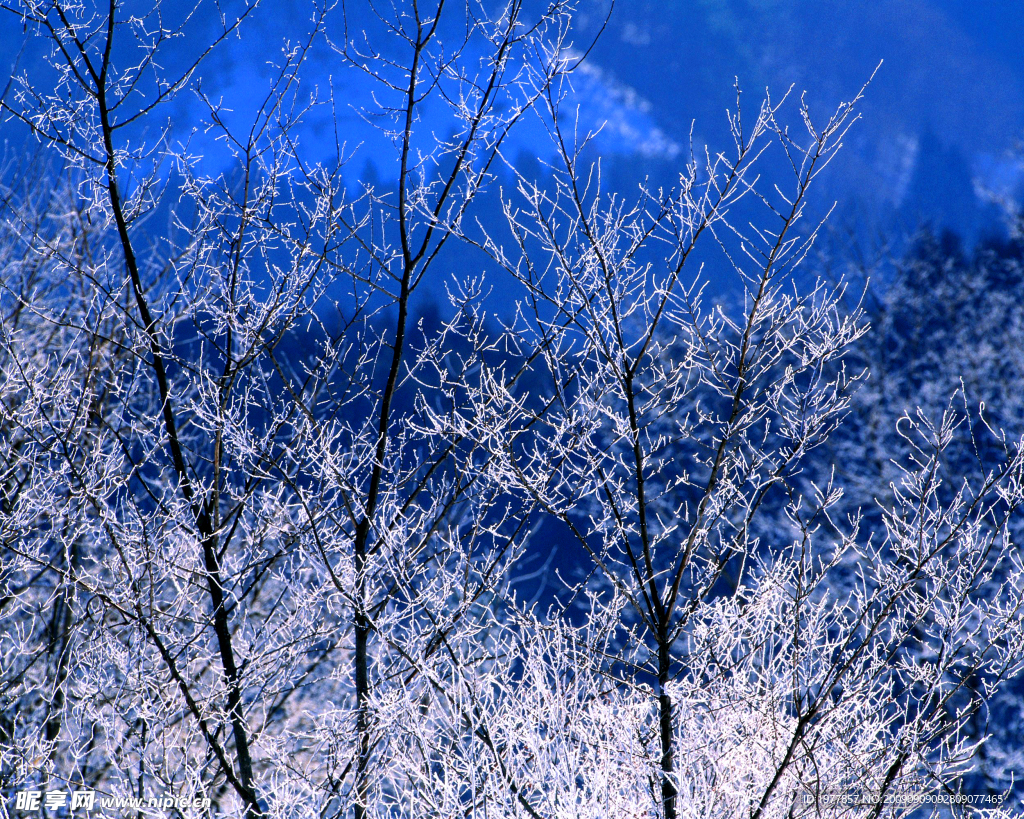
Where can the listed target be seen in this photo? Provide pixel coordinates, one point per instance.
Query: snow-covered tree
(260, 526)
(214, 472)
(946, 339)
(769, 663)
